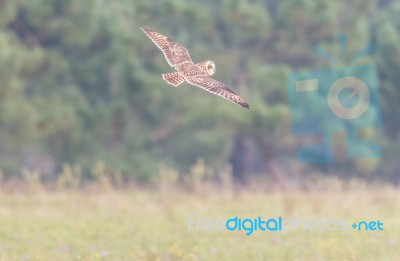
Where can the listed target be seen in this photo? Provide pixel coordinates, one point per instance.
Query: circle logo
(359, 88)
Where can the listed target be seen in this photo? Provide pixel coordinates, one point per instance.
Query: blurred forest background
(81, 84)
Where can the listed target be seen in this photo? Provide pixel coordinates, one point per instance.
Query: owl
(197, 74)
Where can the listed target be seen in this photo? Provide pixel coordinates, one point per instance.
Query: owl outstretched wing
(217, 88)
(174, 53)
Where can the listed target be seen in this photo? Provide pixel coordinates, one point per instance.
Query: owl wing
(174, 53)
(217, 88)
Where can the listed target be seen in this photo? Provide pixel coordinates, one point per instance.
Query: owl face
(207, 66)
(210, 67)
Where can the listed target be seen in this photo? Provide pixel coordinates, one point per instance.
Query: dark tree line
(80, 83)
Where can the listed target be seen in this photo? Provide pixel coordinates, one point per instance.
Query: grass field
(152, 224)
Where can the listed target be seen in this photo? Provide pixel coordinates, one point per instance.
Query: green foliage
(80, 83)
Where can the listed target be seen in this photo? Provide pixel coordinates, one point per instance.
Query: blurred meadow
(101, 159)
(104, 222)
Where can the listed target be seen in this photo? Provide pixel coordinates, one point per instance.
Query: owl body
(198, 74)
(188, 69)
(191, 70)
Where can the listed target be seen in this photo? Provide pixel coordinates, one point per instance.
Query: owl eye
(209, 67)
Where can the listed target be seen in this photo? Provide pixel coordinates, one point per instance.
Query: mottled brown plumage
(198, 74)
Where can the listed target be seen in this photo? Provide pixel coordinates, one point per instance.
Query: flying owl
(196, 74)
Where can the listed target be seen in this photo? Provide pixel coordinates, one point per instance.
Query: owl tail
(174, 79)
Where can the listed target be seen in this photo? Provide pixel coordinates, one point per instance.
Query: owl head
(207, 66)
